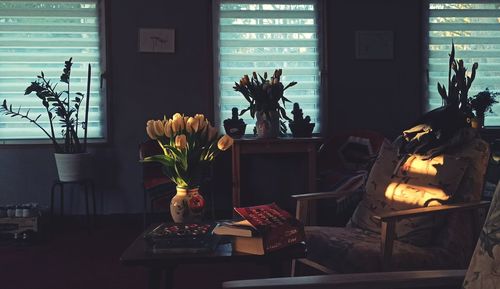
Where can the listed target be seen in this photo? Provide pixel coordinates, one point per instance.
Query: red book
(276, 229)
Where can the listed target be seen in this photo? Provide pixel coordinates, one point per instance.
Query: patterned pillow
(415, 183)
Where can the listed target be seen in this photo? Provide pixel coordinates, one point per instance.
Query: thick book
(241, 228)
(182, 238)
(275, 227)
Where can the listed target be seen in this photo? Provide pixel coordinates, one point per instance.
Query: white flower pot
(72, 167)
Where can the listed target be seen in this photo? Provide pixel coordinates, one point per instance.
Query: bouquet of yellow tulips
(189, 145)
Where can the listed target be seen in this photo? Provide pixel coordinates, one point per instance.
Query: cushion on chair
(477, 153)
(415, 183)
(457, 235)
(348, 250)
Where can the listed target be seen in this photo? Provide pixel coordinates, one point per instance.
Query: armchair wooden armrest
(398, 215)
(389, 220)
(380, 280)
(322, 195)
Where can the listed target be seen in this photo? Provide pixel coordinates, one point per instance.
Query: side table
(138, 254)
(86, 184)
(306, 145)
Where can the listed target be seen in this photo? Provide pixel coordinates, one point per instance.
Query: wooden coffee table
(137, 254)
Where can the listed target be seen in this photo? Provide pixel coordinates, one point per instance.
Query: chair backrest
(415, 183)
(152, 174)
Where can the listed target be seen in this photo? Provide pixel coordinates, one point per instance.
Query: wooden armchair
(388, 221)
(481, 273)
(398, 224)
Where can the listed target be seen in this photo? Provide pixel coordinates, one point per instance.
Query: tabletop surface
(139, 254)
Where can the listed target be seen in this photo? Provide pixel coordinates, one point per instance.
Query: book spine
(279, 239)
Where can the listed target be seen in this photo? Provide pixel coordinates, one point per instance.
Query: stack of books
(262, 229)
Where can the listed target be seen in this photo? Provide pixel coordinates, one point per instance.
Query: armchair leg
(293, 272)
(387, 235)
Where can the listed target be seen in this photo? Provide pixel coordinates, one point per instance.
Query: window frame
(321, 17)
(490, 131)
(103, 7)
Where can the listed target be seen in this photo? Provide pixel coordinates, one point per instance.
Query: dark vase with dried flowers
(265, 98)
(482, 102)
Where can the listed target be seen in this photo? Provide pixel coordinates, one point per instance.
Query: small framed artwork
(158, 40)
(375, 45)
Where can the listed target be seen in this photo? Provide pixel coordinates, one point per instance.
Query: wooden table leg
(236, 174)
(154, 279)
(311, 163)
(168, 273)
(311, 184)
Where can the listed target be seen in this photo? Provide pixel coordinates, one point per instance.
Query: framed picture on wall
(377, 44)
(159, 40)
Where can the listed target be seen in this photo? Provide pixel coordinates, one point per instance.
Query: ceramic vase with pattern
(187, 205)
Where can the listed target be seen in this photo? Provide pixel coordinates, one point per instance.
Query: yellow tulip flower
(201, 121)
(181, 141)
(177, 124)
(167, 127)
(192, 125)
(225, 142)
(158, 128)
(150, 129)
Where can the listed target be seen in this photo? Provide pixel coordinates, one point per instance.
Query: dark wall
(383, 95)
(380, 95)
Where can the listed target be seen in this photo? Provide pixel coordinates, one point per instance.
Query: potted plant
(265, 97)
(300, 126)
(62, 111)
(190, 145)
(482, 102)
(235, 126)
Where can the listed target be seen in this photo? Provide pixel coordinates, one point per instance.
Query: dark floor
(68, 257)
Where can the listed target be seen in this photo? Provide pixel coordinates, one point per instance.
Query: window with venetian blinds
(474, 27)
(39, 36)
(262, 36)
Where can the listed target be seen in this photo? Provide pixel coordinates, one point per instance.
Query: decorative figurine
(300, 126)
(235, 126)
